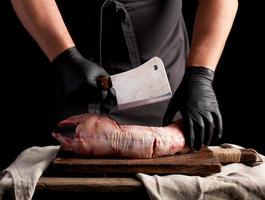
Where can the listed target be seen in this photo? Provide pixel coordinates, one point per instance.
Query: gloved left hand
(79, 74)
(197, 103)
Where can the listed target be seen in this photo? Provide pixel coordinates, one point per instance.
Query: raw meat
(98, 135)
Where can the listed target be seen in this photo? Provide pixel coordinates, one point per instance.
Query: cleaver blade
(143, 85)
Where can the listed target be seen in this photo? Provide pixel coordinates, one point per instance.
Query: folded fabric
(235, 181)
(23, 174)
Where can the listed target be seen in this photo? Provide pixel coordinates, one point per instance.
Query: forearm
(43, 21)
(213, 23)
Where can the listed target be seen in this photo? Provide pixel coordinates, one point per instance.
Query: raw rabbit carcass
(99, 135)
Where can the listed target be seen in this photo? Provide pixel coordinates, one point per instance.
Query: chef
(85, 40)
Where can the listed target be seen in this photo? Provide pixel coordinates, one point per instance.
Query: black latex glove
(77, 73)
(197, 103)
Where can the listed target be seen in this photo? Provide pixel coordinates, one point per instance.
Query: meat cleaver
(146, 84)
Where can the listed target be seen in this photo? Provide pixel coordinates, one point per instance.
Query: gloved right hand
(198, 105)
(78, 72)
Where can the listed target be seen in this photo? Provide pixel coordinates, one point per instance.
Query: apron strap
(128, 31)
(100, 29)
(129, 35)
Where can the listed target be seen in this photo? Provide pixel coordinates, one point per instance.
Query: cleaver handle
(104, 82)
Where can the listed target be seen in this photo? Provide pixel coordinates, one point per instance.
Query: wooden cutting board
(201, 163)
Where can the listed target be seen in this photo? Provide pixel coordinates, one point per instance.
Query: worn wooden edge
(180, 169)
(248, 156)
(87, 168)
(84, 184)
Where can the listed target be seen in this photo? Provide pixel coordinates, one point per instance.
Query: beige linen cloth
(21, 177)
(235, 181)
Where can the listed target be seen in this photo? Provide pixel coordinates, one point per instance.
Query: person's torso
(101, 30)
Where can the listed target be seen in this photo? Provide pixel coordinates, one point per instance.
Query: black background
(27, 79)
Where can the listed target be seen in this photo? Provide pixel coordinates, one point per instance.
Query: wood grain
(201, 163)
(248, 156)
(74, 184)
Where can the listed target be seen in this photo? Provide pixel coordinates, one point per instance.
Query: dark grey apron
(127, 33)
